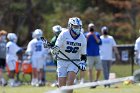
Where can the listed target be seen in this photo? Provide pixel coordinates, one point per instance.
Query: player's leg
(108, 66)
(61, 81)
(34, 71)
(90, 63)
(105, 69)
(40, 65)
(12, 65)
(44, 74)
(70, 79)
(72, 70)
(2, 66)
(82, 74)
(62, 72)
(98, 66)
(56, 81)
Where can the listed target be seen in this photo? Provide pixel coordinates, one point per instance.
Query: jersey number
(38, 48)
(72, 49)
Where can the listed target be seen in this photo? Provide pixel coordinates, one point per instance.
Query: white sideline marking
(102, 82)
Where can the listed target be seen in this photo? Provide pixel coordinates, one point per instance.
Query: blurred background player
(56, 30)
(93, 55)
(106, 52)
(36, 51)
(137, 51)
(3, 42)
(13, 52)
(73, 44)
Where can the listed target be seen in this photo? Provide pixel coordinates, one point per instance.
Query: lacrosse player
(56, 30)
(72, 43)
(137, 51)
(36, 51)
(3, 42)
(13, 52)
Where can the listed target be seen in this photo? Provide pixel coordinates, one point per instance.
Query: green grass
(117, 88)
(120, 70)
(25, 89)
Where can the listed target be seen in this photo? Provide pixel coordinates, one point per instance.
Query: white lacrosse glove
(55, 50)
(82, 65)
(45, 45)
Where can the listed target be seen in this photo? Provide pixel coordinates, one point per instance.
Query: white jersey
(106, 49)
(36, 48)
(137, 46)
(73, 48)
(11, 49)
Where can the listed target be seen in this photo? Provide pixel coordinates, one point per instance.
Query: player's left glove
(82, 65)
(55, 50)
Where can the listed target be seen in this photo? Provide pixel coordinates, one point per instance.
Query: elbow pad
(84, 58)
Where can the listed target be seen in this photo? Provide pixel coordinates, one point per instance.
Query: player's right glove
(82, 65)
(55, 50)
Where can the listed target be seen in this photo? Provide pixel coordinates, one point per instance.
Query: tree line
(24, 16)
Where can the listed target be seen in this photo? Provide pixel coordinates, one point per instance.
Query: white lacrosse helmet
(57, 29)
(75, 21)
(12, 37)
(37, 33)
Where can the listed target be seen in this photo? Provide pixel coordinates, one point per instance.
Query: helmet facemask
(76, 29)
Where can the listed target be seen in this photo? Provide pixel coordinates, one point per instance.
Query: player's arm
(115, 49)
(98, 39)
(20, 53)
(83, 58)
(59, 42)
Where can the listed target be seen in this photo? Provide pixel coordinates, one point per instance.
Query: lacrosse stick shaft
(43, 39)
(69, 59)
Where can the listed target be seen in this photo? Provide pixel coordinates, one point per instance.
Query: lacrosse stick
(48, 44)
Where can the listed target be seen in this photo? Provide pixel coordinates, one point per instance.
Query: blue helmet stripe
(78, 22)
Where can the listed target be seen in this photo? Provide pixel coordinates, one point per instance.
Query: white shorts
(63, 67)
(11, 64)
(94, 61)
(37, 62)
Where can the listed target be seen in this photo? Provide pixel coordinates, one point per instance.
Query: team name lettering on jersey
(73, 43)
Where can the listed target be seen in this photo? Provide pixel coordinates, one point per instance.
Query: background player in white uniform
(73, 44)
(35, 50)
(56, 30)
(11, 56)
(137, 50)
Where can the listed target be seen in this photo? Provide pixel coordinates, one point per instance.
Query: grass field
(120, 70)
(117, 88)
